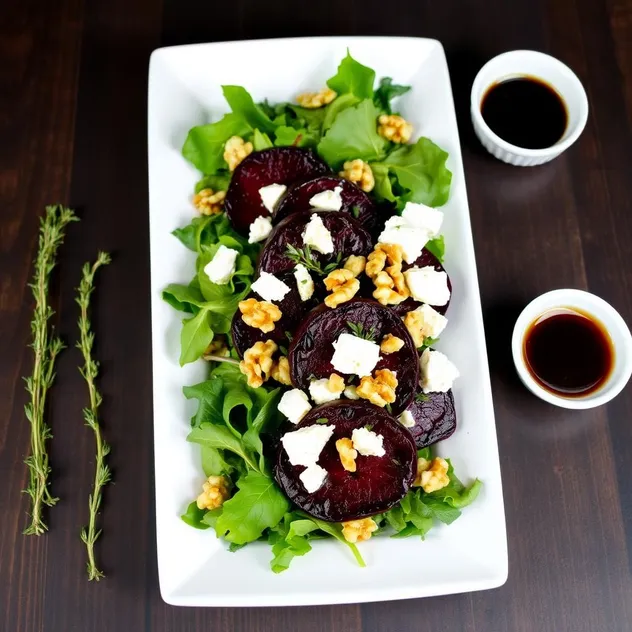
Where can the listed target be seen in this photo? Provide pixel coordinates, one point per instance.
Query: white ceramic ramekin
(603, 312)
(518, 63)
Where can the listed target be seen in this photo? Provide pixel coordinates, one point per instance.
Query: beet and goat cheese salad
(318, 298)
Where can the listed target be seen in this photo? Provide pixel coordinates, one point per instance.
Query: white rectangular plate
(195, 568)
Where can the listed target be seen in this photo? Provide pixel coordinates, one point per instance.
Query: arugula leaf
(196, 335)
(214, 463)
(306, 118)
(194, 517)
(204, 232)
(421, 170)
(258, 505)
(387, 91)
(261, 141)
(221, 437)
(353, 134)
(218, 182)
(335, 530)
(242, 104)
(339, 104)
(209, 395)
(184, 298)
(437, 247)
(354, 78)
(455, 493)
(204, 145)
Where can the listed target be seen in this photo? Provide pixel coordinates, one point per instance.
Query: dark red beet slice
(378, 482)
(280, 165)
(435, 418)
(348, 236)
(312, 348)
(298, 196)
(292, 308)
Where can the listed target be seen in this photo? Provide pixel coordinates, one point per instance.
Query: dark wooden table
(73, 129)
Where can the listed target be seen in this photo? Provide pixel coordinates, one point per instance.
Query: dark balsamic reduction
(568, 352)
(525, 111)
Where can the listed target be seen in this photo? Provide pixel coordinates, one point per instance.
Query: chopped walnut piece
(358, 530)
(257, 363)
(235, 150)
(391, 344)
(355, 264)
(259, 314)
(394, 128)
(209, 202)
(432, 475)
(215, 492)
(379, 390)
(360, 173)
(342, 285)
(281, 371)
(391, 288)
(348, 454)
(313, 100)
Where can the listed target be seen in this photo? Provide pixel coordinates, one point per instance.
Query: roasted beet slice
(435, 418)
(426, 258)
(349, 238)
(378, 482)
(280, 165)
(292, 308)
(312, 348)
(354, 199)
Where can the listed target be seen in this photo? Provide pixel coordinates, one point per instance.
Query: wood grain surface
(73, 85)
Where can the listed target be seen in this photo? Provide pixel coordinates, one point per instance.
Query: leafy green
(218, 182)
(184, 298)
(310, 119)
(352, 77)
(258, 505)
(242, 105)
(196, 335)
(383, 189)
(455, 494)
(301, 137)
(339, 104)
(352, 135)
(260, 141)
(387, 91)
(420, 169)
(437, 247)
(194, 516)
(204, 145)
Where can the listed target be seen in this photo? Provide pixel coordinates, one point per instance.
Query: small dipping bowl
(599, 311)
(527, 63)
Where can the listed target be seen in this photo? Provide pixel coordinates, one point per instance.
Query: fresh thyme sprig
(90, 370)
(359, 331)
(305, 256)
(421, 397)
(46, 347)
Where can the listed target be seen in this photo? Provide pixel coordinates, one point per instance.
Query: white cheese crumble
(313, 478)
(303, 446)
(320, 393)
(221, 267)
(317, 236)
(304, 282)
(433, 323)
(424, 217)
(260, 229)
(294, 405)
(427, 285)
(406, 419)
(351, 392)
(411, 238)
(271, 194)
(327, 200)
(355, 356)
(367, 442)
(437, 372)
(269, 288)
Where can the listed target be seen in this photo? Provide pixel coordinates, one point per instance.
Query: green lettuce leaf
(437, 247)
(218, 182)
(383, 189)
(387, 91)
(194, 516)
(204, 145)
(242, 105)
(258, 505)
(260, 141)
(421, 170)
(352, 77)
(353, 134)
(305, 118)
(339, 104)
(299, 137)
